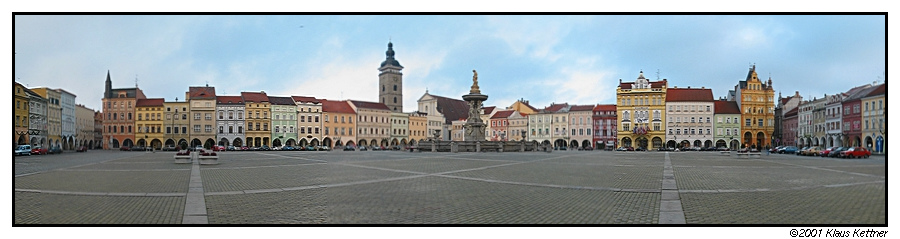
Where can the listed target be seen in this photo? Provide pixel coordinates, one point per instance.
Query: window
(707, 108)
(221, 129)
(760, 122)
(692, 120)
(240, 114)
(183, 130)
(221, 115)
(677, 131)
(317, 119)
(196, 128)
(302, 119)
(230, 129)
(230, 114)
(169, 130)
(707, 131)
(747, 122)
(707, 120)
(240, 129)
(265, 126)
(692, 131)
(197, 116)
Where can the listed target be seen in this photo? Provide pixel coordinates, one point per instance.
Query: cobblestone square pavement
(394, 187)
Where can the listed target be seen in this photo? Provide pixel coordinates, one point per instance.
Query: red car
(81, 149)
(856, 152)
(38, 150)
(826, 151)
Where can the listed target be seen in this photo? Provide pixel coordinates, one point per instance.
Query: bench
(747, 155)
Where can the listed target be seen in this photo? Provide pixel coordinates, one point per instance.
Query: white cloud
(532, 36)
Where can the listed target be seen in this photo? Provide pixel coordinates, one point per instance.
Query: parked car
(326, 148)
(265, 148)
(640, 149)
(812, 150)
(826, 151)
(776, 149)
(245, 148)
(348, 148)
(837, 152)
(624, 148)
(218, 148)
(170, 148)
(123, 148)
(287, 148)
(230, 148)
(856, 152)
(788, 150)
(57, 150)
(589, 148)
(723, 148)
(38, 150)
(23, 150)
(81, 149)
(362, 148)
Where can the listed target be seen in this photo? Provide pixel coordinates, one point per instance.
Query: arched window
(395, 98)
(395, 87)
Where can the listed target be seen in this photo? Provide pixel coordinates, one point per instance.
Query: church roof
(452, 109)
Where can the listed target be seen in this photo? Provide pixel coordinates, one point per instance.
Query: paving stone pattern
(395, 187)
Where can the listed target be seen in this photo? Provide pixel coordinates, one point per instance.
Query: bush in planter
(183, 152)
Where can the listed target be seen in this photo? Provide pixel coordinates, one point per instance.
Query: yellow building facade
(757, 102)
(257, 119)
(640, 112)
(20, 120)
(149, 123)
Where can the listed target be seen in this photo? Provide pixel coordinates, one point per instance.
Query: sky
(576, 59)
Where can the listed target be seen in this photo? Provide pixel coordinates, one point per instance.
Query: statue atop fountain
(474, 127)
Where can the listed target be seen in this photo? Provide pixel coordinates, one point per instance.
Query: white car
(23, 150)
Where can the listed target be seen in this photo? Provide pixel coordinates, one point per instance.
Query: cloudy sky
(543, 59)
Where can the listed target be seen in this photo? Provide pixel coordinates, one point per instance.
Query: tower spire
(108, 89)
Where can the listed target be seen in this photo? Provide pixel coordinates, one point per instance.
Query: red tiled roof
(255, 97)
(149, 102)
(503, 114)
(488, 110)
(685, 94)
(337, 107)
(279, 100)
(726, 107)
(605, 108)
(553, 108)
(370, 105)
(792, 112)
(231, 99)
(202, 92)
(304, 99)
(879, 90)
(581, 108)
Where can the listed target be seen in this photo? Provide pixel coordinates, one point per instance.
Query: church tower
(108, 91)
(391, 82)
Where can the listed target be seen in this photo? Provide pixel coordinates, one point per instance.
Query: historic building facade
(309, 122)
(84, 126)
(118, 110)
(37, 115)
(67, 119)
(20, 112)
(874, 130)
(418, 122)
(257, 119)
(689, 114)
(338, 123)
(372, 123)
(727, 124)
(230, 120)
(641, 110)
(518, 126)
(399, 129)
(852, 118)
(757, 102)
(580, 126)
(785, 105)
(284, 121)
(203, 110)
(500, 125)
(604, 117)
(149, 123)
(177, 124)
(54, 114)
(789, 125)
